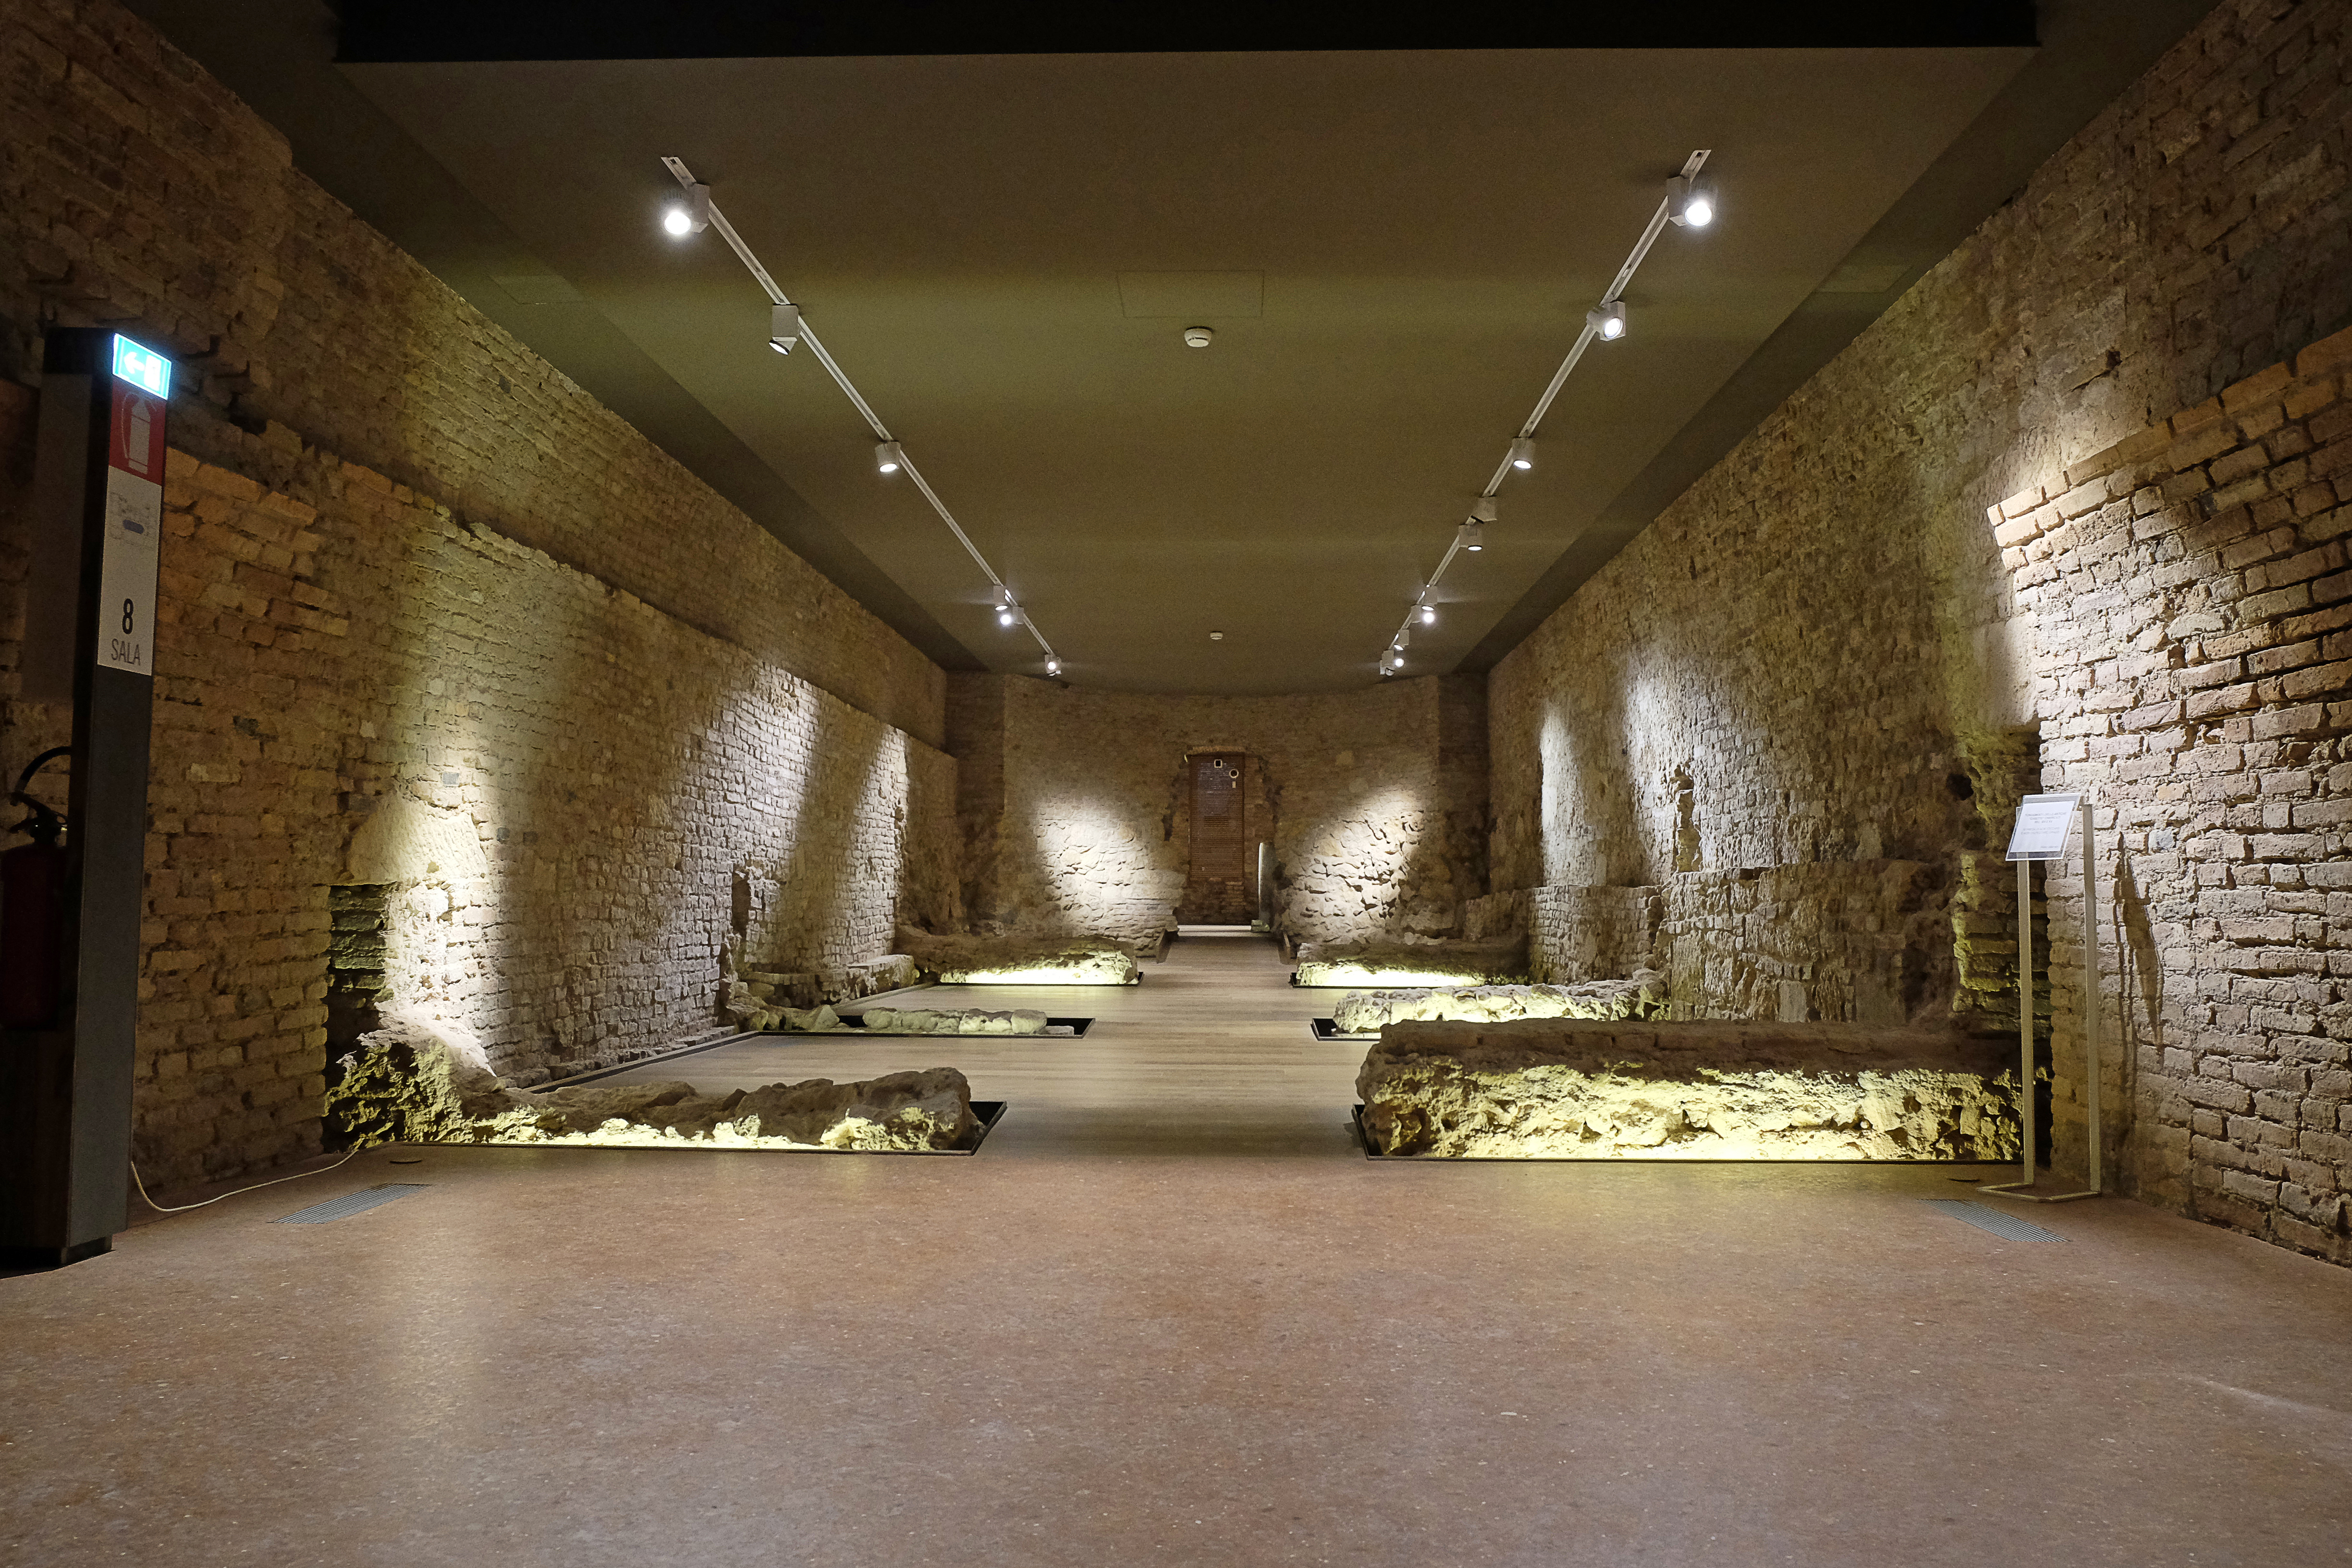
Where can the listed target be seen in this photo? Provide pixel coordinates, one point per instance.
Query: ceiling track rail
(1006, 598)
(1526, 432)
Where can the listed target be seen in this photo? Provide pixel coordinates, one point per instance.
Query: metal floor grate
(351, 1203)
(2001, 1223)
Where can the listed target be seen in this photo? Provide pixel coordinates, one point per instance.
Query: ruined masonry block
(1572, 1089)
(1644, 995)
(416, 1082)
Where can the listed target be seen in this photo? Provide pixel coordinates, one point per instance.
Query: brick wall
(137, 192)
(2189, 591)
(1819, 656)
(1377, 803)
(434, 628)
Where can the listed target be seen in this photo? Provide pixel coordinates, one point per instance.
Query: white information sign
(135, 531)
(126, 574)
(2043, 821)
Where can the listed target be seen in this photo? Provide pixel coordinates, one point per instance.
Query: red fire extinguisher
(32, 910)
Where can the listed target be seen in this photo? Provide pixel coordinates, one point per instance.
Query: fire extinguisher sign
(135, 511)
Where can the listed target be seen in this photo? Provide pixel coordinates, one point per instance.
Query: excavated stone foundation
(1642, 995)
(425, 1083)
(1023, 961)
(915, 1021)
(1568, 1089)
(1365, 966)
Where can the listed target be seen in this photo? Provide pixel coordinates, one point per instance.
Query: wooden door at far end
(1219, 884)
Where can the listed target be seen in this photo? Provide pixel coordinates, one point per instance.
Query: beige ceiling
(1397, 248)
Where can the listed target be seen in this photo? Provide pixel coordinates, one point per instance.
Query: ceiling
(1394, 248)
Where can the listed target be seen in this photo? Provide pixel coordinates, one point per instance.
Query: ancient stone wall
(434, 628)
(1818, 662)
(1378, 821)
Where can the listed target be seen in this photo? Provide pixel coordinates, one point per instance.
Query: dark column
(66, 1062)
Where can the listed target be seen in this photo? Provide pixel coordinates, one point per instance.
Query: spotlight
(1471, 536)
(1396, 659)
(1004, 617)
(1690, 201)
(1403, 638)
(1523, 452)
(1428, 615)
(1007, 612)
(1483, 509)
(888, 457)
(691, 218)
(783, 328)
(1052, 667)
(1609, 320)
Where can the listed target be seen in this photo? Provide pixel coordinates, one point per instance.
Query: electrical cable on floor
(256, 1186)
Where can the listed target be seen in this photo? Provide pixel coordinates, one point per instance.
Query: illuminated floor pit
(1365, 1013)
(1018, 961)
(1412, 964)
(1575, 1090)
(904, 1021)
(409, 1084)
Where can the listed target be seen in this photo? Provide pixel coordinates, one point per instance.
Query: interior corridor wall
(2070, 515)
(1076, 804)
(435, 628)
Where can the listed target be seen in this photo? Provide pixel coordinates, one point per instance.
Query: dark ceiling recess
(389, 31)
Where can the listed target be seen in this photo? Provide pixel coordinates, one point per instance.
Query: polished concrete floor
(1168, 1315)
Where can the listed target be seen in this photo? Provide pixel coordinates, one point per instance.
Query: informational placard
(2043, 821)
(133, 521)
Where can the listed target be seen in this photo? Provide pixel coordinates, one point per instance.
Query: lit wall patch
(143, 367)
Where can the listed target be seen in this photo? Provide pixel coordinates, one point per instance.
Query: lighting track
(703, 206)
(1680, 191)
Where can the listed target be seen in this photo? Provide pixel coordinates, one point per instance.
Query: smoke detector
(1197, 337)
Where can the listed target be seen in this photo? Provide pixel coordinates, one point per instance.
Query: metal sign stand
(68, 1055)
(2040, 835)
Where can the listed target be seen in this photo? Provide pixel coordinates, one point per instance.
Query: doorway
(1220, 879)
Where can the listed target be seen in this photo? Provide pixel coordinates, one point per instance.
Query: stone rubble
(1362, 965)
(1023, 959)
(1568, 1089)
(1642, 995)
(952, 1021)
(417, 1082)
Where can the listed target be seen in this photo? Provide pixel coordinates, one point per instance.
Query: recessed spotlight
(887, 457)
(783, 328)
(1198, 337)
(1523, 452)
(1607, 320)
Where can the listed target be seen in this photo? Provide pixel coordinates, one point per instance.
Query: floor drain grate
(2006, 1226)
(351, 1203)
